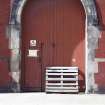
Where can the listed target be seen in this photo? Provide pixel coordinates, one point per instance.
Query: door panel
(59, 26)
(32, 67)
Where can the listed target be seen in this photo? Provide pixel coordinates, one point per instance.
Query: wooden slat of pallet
(62, 67)
(61, 79)
(61, 88)
(74, 74)
(74, 71)
(65, 91)
(65, 84)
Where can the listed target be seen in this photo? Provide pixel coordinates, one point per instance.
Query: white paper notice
(33, 53)
(32, 42)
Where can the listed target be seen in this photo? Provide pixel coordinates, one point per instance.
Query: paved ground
(51, 99)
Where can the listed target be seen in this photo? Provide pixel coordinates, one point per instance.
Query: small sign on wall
(33, 53)
(32, 42)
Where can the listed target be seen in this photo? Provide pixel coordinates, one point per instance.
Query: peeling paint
(14, 42)
(93, 36)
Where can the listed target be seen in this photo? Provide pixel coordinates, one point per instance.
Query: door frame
(14, 28)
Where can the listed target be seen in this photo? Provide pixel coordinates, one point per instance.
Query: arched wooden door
(55, 31)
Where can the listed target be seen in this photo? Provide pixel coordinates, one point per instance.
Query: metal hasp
(92, 35)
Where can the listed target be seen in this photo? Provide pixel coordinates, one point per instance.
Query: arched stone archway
(91, 27)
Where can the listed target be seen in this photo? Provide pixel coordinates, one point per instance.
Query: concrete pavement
(51, 99)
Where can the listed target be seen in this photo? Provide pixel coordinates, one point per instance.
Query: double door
(56, 28)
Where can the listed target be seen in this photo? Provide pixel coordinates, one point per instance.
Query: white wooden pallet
(62, 79)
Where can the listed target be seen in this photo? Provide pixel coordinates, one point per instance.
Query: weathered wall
(100, 51)
(14, 42)
(91, 38)
(4, 50)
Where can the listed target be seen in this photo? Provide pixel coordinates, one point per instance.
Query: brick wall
(4, 51)
(100, 51)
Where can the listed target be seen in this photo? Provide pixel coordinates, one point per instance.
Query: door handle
(53, 45)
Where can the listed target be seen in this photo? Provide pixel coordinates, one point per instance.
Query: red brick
(4, 50)
(4, 73)
(100, 76)
(100, 54)
(101, 12)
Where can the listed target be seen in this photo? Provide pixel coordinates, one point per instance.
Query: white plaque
(33, 53)
(32, 42)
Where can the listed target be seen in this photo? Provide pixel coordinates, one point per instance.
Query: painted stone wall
(100, 51)
(5, 79)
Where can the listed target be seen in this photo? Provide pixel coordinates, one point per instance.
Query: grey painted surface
(93, 33)
(14, 42)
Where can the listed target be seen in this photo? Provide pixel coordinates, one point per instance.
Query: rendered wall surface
(5, 79)
(100, 51)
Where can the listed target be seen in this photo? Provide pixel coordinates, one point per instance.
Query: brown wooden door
(59, 26)
(31, 66)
